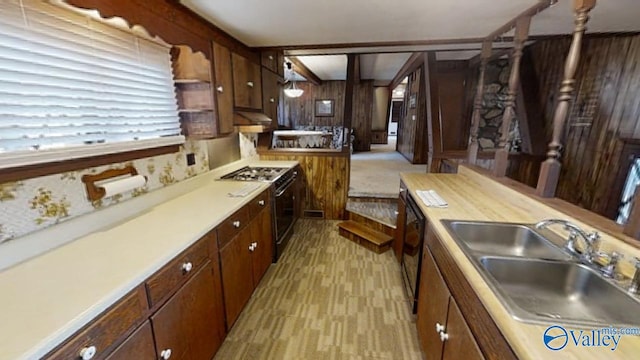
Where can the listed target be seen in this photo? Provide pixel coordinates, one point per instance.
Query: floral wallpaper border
(34, 204)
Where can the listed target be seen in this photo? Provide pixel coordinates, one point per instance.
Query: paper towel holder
(95, 193)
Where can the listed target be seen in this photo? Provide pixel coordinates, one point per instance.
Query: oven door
(285, 215)
(412, 251)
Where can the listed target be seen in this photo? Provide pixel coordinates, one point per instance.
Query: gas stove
(249, 173)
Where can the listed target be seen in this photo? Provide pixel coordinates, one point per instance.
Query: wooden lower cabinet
(461, 344)
(442, 330)
(244, 261)
(237, 274)
(262, 255)
(433, 302)
(398, 241)
(184, 327)
(138, 345)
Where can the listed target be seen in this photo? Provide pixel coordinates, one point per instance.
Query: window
(630, 186)
(72, 87)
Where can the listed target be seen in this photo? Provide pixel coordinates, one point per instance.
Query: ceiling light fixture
(293, 91)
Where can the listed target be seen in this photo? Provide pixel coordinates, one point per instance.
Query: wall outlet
(191, 159)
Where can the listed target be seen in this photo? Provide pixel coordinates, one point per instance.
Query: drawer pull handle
(186, 267)
(220, 89)
(255, 245)
(270, 57)
(88, 353)
(236, 224)
(250, 84)
(261, 202)
(439, 327)
(165, 354)
(444, 336)
(251, 247)
(272, 100)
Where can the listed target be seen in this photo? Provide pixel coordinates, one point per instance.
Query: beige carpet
(327, 298)
(376, 173)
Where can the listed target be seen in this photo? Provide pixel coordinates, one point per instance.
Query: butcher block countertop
(46, 299)
(472, 196)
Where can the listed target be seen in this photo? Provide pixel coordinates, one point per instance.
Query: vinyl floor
(327, 298)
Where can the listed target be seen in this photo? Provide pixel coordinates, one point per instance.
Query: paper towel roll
(120, 186)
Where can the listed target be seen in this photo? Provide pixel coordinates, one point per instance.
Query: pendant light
(292, 91)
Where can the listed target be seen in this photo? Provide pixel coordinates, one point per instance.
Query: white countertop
(46, 299)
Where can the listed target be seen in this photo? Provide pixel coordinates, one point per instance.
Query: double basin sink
(538, 281)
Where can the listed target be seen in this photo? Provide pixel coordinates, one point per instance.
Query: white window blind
(71, 86)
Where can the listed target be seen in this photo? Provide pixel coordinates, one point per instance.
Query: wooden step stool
(366, 237)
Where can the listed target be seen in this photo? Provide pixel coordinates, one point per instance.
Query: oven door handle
(286, 186)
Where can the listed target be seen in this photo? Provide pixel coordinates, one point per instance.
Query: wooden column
(348, 99)
(632, 227)
(432, 97)
(550, 169)
(472, 154)
(502, 154)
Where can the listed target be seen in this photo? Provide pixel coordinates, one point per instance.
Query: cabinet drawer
(167, 279)
(232, 226)
(260, 202)
(107, 330)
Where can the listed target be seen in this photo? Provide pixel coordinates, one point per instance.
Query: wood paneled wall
(412, 127)
(606, 107)
(300, 111)
(326, 179)
(362, 115)
(451, 78)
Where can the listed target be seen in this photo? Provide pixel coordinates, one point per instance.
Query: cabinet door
(398, 240)
(247, 83)
(460, 343)
(185, 325)
(261, 234)
(433, 302)
(237, 274)
(270, 60)
(271, 96)
(138, 345)
(223, 87)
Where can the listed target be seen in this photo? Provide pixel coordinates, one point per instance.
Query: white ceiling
(311, 22)
(289, 22)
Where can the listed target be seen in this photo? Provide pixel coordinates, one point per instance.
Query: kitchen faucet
(591, 240)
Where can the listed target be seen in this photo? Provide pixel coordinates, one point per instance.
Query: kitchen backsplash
(248, 144)
(33, 204)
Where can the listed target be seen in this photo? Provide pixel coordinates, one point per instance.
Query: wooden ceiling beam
(304, 71)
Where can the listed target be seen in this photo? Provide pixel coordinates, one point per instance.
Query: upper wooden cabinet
(223, 87)
(192, 76)
(269, 60)
(273, 60)
(270, 95)
(247, 83)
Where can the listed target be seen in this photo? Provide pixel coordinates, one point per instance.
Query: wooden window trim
(32, 171)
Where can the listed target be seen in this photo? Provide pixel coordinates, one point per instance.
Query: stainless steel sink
(560, 292)
(504, 239)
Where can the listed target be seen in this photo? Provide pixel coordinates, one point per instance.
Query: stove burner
(264, 174)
